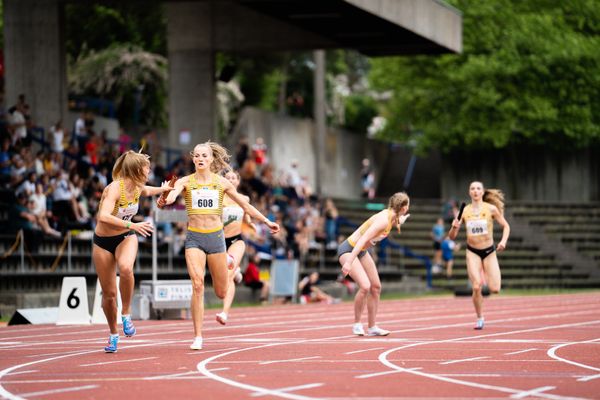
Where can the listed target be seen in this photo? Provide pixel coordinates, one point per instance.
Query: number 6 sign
(73, 305)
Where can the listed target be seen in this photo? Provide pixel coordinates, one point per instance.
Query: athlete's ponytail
(494, 197)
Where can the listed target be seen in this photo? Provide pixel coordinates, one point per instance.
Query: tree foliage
(121, 73)
(529, 73)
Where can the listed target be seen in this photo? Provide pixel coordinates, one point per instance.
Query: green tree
(120, 73)
(529, 73)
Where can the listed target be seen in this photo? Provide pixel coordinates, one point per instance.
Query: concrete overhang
(373, 27)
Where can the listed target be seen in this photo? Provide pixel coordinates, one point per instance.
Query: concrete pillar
(319, 116)
(191, 73)
(34, 57)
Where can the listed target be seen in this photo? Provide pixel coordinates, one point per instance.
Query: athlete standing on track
(115, 241)
(486, 206)
(356, 260)
(205, 240)
(233, 219)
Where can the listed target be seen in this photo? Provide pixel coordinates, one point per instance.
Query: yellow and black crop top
(126, 209)
(204, 199)
(480, 222)
(354, 238)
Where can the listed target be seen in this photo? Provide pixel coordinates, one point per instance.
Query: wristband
(128, 225)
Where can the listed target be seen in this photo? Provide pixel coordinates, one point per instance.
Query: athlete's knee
(364, 290)
(220, 292)
(198, 285)
(109, 295)
(126, 271)
(375, 289)
(476, 286)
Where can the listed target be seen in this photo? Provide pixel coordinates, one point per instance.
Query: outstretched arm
(178, 188)
(245, 204)
(154, 190)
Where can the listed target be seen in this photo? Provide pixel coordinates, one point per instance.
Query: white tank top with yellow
(125, 209)
(204, 199)
(478, 223)
(355, 237)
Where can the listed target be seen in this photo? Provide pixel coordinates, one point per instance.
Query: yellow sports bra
(480, 223)
(363, 228)
(204, 199)
(125, 209)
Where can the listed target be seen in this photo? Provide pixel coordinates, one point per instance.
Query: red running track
(532, 347)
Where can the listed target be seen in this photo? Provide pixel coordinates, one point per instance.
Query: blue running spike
(113, 340)
(128, 328)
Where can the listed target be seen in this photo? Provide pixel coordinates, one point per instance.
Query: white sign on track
(73, 306)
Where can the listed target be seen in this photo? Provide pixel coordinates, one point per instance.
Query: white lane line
(463, 360)
(211, 351)
(54, 354)
(120, 361)
(182, 374)
(552, 353)
(474, 375)
(383, 358)
(362, 351)
(519, 352)
(532, 392)
(55, 391)
(22, 372)
(588, 378)
(288, 389)
(290, 360)
(375, 374)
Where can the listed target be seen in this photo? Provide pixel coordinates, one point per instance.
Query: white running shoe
(222, 318)
(358, 330)
(237, 278)
(480, 324)
(377, 331)
(197, 345)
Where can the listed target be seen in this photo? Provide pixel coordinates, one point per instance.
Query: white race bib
(126, 213)
(477, 227)
(205, 199)
(232, 214)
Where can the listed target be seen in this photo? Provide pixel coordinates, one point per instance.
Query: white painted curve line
(211, 351)
(119, 361)
(362, 351)
(55, 391)
(22, 372)
(463, 360)
(290, 360)
(10, 396)
(532, 392)
(289, 389)
(552, 353)
(519, 352)
(171, 376)
(383, 359)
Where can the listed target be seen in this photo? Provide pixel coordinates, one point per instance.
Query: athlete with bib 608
(486, 206)
(205, 240)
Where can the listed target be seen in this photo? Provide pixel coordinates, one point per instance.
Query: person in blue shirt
(448, 247)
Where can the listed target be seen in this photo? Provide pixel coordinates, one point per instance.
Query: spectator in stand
(437, 235)
(252, 278)
(331, 216)
(293, 181)
(17, 124)
(449, 211)
(311, 293)
(65, 206)
(28, 185)
(241, 151)
(259, 152)
(5, 163)
(449, 246)
(37, 206)
(80, 132)
(367, 179)
(57, 136)
(21, 218)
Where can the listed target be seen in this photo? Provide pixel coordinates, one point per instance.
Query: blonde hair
(220, 156)
(397, 201)
(129, 165)
(494, 197)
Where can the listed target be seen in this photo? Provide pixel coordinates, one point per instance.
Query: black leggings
(482, 253)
